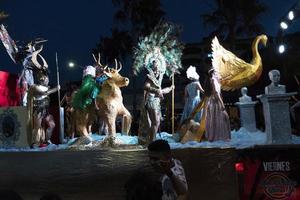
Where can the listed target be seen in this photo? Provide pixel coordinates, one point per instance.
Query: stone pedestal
(247, 115)
(277, 117)
(13, 130)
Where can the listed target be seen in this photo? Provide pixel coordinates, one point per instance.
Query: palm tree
(133, 19)
(140, 15)
(117, 46)
(235, 18)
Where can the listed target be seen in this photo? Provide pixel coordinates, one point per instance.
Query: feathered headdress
(161, 45)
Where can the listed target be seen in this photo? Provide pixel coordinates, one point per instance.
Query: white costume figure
(192, 94)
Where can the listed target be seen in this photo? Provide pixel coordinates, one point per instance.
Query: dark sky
(74, 27)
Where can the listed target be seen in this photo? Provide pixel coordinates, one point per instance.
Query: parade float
(93, 165)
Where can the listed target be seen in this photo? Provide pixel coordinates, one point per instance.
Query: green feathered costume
(87, 92)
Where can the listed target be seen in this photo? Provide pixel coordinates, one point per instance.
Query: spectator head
(159, 151)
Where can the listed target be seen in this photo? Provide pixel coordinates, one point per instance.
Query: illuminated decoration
(239, 167)
(285, 23)
(281, 48)
(291, 15)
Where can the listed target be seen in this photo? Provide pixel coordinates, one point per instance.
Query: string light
(285, 21)
(283, 25)
(291, 15)
(281, 49)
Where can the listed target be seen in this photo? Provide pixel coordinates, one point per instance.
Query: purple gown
(217, 120)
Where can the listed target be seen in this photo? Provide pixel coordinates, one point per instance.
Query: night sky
(73, 28)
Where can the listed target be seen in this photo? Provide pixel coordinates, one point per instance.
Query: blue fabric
(191, 101)
(100, 79)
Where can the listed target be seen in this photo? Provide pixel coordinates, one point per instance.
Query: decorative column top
(276, 97)
(245, 104)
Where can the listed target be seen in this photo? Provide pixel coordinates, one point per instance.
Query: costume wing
(226, 64)
(8, 43)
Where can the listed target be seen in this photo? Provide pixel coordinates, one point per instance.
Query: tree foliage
(133, 19)
(232, 19)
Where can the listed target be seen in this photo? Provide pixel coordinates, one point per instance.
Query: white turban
(89, 70)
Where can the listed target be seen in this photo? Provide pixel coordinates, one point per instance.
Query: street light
(71, 64)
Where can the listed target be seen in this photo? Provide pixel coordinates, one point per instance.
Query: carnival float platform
(217, 170)
(102, 174)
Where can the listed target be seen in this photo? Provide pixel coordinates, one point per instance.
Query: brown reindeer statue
(82, 117)
(110, 102)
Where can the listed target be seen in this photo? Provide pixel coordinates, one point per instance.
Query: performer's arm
(200, 88)
(167, 89)
(40, 89)
(149, 88)
(177, 176)
(53, 90)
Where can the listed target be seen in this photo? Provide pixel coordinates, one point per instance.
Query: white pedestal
(247, 115)
(277, 117)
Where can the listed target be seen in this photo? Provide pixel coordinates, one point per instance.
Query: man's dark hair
(159, 146)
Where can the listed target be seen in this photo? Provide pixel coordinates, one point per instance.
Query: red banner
(9, 90)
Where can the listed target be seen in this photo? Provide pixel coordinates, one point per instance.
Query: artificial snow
(239, 139)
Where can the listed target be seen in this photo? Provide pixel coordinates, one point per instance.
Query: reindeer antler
(94, 58)
(99, 58)
(98, 61)
(116, 65)
(120, 64)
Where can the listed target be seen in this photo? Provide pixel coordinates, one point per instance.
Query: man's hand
(168, 89)
(166, 166)
(172, 87)
(160, 93)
